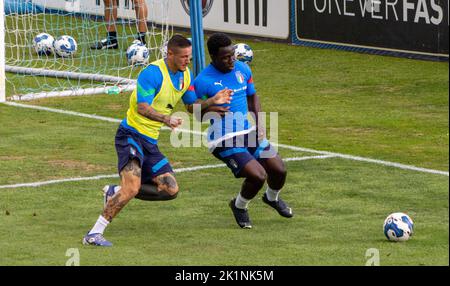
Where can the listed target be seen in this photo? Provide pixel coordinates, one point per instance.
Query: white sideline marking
(294, 148)
(368, 160)
(179, 170)
(109, 119)
(43, 183)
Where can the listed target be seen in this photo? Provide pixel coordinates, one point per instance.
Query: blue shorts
(130, 145)
(236, 152)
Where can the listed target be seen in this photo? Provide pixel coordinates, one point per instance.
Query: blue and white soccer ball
(43, 44)
(65, 46)
(398, 227)
(243, 53)
(137, 54)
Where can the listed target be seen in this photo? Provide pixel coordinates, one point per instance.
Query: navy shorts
(130, 145)
(236, 152)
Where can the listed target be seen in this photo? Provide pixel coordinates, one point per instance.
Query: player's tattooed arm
(146, 110)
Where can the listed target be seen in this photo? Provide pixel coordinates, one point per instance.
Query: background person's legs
(141, 19)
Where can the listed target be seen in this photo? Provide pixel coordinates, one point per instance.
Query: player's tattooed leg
(130, 184)
(150, 192)
(167, 183)
(132, 167)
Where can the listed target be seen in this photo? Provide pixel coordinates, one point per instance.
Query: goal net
(88, 71)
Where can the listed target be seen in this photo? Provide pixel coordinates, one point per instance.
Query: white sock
(100, 225)
(272, 195)
(241, 203)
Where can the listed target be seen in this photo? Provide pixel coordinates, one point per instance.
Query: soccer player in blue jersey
(145, 173)
(232, 139)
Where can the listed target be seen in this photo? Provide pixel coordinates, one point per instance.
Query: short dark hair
(217, 41)
(178, 41)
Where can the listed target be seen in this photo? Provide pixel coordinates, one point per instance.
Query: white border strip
(180, 170)
(294, 148)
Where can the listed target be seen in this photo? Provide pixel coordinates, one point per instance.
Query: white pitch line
(179, 170)
(103, 118)
(294, 148)
(363, 159)
(294, 159)
(43, 183)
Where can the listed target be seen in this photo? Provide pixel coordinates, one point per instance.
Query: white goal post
(25, 75)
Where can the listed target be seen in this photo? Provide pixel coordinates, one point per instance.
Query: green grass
(379, 107)
(335, 222)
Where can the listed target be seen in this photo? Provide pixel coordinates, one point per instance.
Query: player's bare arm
(254, 106)
(146, 110)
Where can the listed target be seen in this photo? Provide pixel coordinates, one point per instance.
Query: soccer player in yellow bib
(145, 173)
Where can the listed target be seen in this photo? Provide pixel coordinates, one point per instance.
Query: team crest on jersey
(181, 83)
(240, 78)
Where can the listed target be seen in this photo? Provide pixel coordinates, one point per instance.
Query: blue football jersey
(240, 80)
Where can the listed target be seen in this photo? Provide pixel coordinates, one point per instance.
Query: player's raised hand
(223, 97)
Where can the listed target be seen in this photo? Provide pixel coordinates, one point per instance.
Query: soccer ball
(398, 227)
(65, 46)
(137, 53)
(243, 53)
(43, 44)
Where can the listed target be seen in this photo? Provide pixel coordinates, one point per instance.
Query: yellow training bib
(163, 103)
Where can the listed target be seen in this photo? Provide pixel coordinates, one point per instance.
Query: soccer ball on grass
(398, 227)
(137, 53)
(65, 46)
(43, 44)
